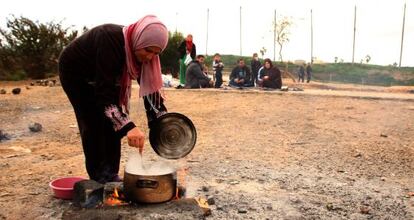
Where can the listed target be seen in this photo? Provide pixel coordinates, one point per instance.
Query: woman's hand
(136, 139)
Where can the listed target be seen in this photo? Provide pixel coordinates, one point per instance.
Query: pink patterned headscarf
(148, 31)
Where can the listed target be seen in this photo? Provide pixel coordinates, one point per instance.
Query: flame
(116, 195)
(181, 176)
(181, 180)
(115, 199)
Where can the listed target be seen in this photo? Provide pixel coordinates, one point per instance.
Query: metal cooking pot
(150, 189)
(172, 136)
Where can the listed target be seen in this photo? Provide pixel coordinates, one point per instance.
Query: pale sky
(379, 24)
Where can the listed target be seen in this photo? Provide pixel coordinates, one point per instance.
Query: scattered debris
(364, 209)
(242, 210)
(383, 178)
(20, 149)
(358, 155)
(211, 200)
(204, 189)
(4, 136)
(297, 89)
(284, 88)
(3, 91)
(28, 87)
(411, 194)
(383, 135)
(234, 182)
(16, 91)
(203, 204)
(349, 107)
(329, 206)
(35, 127)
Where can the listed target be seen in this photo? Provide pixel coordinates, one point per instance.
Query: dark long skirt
(101, 146)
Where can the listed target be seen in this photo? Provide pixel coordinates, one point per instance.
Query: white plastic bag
(187, 59)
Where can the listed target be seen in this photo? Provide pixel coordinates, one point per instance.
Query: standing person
(270, 76)
(308, 72)
(218, 68)
(255, 66)
(96, 70)
(240, 75)
(195, 76)
(187, 47)
(301, 73)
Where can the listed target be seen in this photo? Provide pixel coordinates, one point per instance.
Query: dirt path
(259, 154)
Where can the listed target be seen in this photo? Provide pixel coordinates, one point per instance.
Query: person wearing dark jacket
(195, 77)
(186, 47)
(240, 76)
(270, 76)
(218, 68)
(308, 72)
(96, 70)
(255, 65)
(301, 73)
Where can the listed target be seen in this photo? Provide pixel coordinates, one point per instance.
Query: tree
(169, 57)
(282, 34)
(32, 46)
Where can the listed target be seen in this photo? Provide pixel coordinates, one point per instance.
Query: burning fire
(115, 199)
(181, 180)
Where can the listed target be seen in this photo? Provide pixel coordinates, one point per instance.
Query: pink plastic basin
(63, 187)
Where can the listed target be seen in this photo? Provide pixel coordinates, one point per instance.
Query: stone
(35, 127)
(16, 91)
(383, 135)
(358, 155)
(3, 91)
(87, 194)
(364, 209)
(3, 136)
(204, 189)
(242, 210)
(211, 200)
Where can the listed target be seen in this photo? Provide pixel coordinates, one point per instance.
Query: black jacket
(194, 76)
(182, 50)
(275, 79)
(241, 73)
(97, 59)
(255, 65)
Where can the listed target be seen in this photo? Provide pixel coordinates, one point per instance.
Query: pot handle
(145, 183)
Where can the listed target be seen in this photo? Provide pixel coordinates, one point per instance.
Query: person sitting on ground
(269, 76)
(195, 77)
(167, 79)
(240, 76)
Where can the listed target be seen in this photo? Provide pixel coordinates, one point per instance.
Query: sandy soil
(274, 155)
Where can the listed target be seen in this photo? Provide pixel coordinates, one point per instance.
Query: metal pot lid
(172, 136)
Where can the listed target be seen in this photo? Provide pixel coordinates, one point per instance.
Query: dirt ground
(259, 154)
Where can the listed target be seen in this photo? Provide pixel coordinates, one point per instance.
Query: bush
(32, 47)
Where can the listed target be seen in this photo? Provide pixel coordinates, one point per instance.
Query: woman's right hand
(136, 139)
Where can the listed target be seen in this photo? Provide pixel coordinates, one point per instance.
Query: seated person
(240, 76)
(194, 76)
(269, 76)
